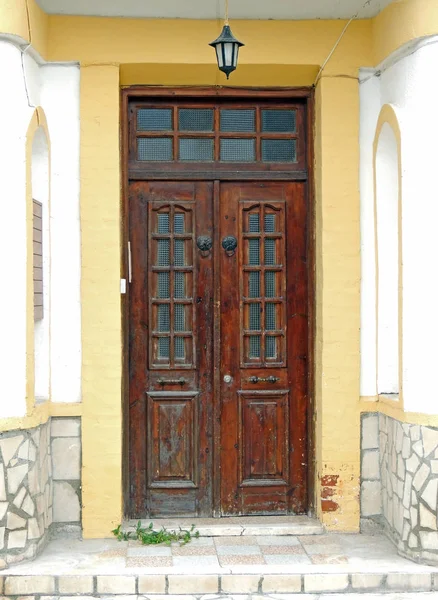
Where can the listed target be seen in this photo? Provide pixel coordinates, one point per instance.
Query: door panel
(264, 324)
(262, 330)
(171, 297)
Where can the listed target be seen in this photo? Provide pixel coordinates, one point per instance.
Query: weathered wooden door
(260, 242)
(264, 318)
(218, 302)
(171, 341)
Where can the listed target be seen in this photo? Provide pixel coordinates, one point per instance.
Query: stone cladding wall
(403, 490)
(25, 493)
(40, 487)
(66, 459)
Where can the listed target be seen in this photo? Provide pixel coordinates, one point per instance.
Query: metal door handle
(270, 379)
(180, 381)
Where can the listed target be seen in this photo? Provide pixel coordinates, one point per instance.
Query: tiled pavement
(282, 567)
(238, 551)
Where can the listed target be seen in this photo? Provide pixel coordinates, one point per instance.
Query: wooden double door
(218, 333)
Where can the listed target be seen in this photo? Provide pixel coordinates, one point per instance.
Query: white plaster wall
(370, 107)
(60, 100)
(40, 192)
(27, 83)
(15, 114)
(387, 211)
(409, 81)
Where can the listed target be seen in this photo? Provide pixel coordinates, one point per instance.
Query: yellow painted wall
(337, 297)
(116, 52)
(401, 22)
(101, 311)
(25, 19)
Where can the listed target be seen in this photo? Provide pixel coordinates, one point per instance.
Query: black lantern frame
(227, 51)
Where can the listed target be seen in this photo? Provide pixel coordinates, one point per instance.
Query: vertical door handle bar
(129, 263)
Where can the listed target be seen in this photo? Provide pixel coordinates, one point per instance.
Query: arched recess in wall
(39, 253)
(387, 182)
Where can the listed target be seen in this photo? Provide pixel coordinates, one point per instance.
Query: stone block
(427, 518)
(418, 448)
(366, 581)
(152, 584)
(407, 490)
(18, 500)
(430, 440)
(325, 582)
(28, 506)
(281, 584)
(370, 432)
(15, 477)
(406, 448)
(17, 539)
(193, 584)
(116, 584)
(421, 476)
(66, 458)
(24, 450)
(370, 465)
(65, 427)
(370, 498)
(33, 529)
(412, 464)
(75, 584)
(240, 584)
(66, 508)
(13, 521)
(409, 582)
(430, 494)
(29, 584)
(9, 447)
(429, 540)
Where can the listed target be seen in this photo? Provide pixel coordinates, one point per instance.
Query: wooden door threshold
(237, 526)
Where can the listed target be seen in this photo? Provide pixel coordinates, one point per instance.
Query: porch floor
(265, 554)
(281, 567)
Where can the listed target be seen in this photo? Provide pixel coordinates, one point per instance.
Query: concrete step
(237, 526)
(275, 585)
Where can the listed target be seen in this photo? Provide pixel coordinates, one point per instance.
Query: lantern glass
(227, 50)
(219, 55)
(228, 53)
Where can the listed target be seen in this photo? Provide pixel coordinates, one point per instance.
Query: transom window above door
(261, 136)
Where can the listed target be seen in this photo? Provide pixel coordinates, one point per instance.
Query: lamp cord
(226, 12)
(324, 64)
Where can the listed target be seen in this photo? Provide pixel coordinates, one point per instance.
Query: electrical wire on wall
(338, 41)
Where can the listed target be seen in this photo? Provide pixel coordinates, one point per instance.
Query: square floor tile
(195, 561)
(323, 549)
(235, 540)
(149, 561)
(251, 559)
(189, 550)
(287, 559)
(155, 550)
(283, 549)
(328, 559)
(277, 540)
(201, 541)
(237, 550)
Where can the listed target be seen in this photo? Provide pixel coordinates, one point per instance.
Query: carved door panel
(264, 320)
(171, 308)
(261, 334)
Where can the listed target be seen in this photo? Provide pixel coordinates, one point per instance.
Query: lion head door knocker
(204, 243)
(229, 244)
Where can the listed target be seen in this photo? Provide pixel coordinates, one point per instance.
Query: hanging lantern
(227, 50)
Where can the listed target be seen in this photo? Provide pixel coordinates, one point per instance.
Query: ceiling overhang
(214, 9)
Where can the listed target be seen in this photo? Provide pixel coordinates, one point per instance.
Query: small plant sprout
(148, 535)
